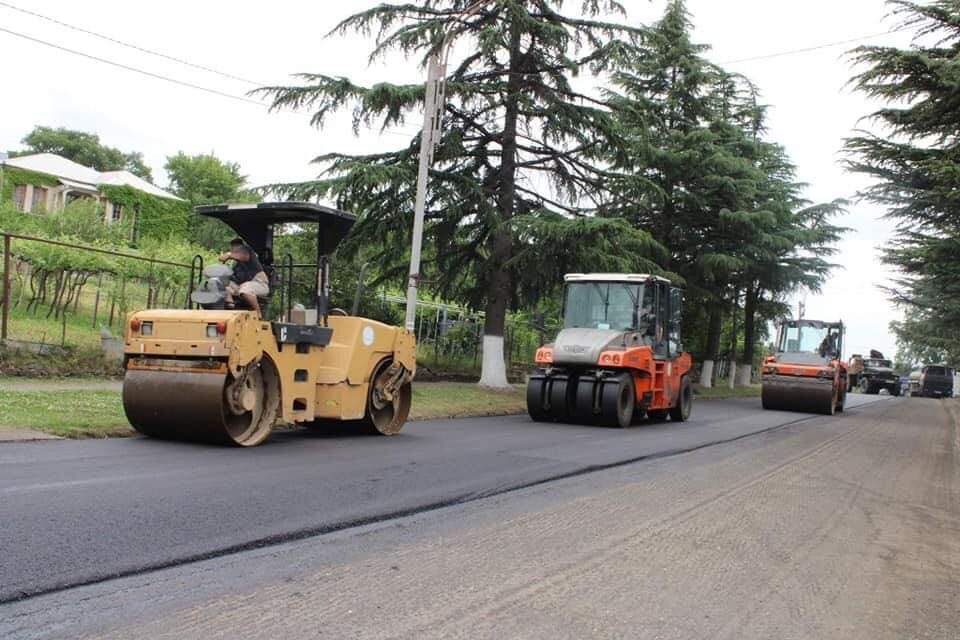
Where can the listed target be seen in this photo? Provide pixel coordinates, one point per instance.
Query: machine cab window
(602, 305)
(651, 308)
(811, 337)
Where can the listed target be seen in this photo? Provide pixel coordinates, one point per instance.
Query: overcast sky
(812, 110)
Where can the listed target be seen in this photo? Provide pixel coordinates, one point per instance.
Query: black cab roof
(254, 222)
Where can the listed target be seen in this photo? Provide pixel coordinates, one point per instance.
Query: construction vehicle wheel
(387, 415)
(895, 390)
(618, 401)
(559, 390)
(204, 407)
(830, 407)
(864, 385)
(681, 411)
(584, 401)
(536, 399)
(657, 415)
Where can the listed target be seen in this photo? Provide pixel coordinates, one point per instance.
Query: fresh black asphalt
(77, 512)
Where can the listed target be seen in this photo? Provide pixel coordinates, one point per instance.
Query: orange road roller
(806, 372)
(618, 357)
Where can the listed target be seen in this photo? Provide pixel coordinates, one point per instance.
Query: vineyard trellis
(50, 276)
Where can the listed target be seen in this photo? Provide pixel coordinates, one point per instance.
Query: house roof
(77, 176)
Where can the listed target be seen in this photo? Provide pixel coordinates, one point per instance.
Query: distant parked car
(932, 381)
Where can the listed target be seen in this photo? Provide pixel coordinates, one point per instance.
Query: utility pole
(432, 122)
(433, 106)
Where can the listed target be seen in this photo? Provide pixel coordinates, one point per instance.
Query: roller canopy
(254, 222)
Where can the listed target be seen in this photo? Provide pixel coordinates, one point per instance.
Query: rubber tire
(560, 397)
(684, 407)
(583, 410)
(618, 401)
(536, 392)
(864, 385)
(895, 391)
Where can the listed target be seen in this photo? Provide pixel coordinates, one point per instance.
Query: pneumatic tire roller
(618, 357)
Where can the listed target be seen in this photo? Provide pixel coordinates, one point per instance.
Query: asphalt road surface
(740, 523)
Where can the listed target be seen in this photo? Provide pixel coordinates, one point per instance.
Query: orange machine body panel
(657, 381)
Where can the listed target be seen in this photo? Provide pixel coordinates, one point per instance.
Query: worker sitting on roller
(249, 280)
(828, 347)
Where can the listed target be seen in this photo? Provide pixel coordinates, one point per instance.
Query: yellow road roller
(212, 374)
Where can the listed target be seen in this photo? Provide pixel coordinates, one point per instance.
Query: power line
(826, 45)
(130, 45)
(158, 76)
(134, 69)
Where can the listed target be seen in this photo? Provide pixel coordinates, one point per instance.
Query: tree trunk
(493, 371)
(749, 334)
(732, 373)
(714, 326)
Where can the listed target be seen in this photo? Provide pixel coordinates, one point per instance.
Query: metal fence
(73, 306)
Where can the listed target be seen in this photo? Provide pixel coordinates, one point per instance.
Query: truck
(870, 375)
(932, 381)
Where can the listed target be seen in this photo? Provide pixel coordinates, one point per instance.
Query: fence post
(6, 288)
(96, 299)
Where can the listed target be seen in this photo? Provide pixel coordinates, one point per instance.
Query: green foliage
(69, 363)
(84, 148)
(915, 165)
(154, 217)
(521, 149)
(81, 224)
(13, 176)
(699, 176)
(667, 171)
(205, 179)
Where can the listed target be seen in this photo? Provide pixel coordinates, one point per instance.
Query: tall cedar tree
(701, 178)
(916, 164)
(520, 173)
(663, 99)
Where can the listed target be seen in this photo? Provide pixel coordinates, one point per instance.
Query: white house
(73, 181)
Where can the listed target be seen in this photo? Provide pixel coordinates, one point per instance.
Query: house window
(20, 196)
(116, 212)
(39, 200)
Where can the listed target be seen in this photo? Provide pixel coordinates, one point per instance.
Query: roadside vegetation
(83, 408)
(913, 161)
(95, 412)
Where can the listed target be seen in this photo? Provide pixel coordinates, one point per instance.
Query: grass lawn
(98, 413)
(71, 414)
(723, 391)
(459, 399)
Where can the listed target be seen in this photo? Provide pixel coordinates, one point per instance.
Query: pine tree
(708, 186)
(688, 178)
(915, 165)
(520, 173)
